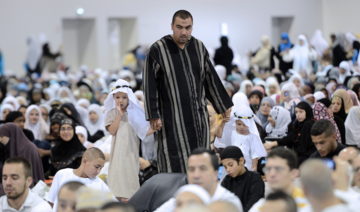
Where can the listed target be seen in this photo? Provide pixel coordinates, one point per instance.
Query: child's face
(5, 113)
(121, 99)
(44, 113)
(93, 116)
(254, 100)
(336, 103)
(102, 98)
(20, 122)
(34, 116)
(55, 129)
(93, 167)
(241, 127)
(81, 138)
(233, 167)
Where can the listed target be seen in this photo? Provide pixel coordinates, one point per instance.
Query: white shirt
(350, 200)
(33, 203)
(65, 175)
(302, 203)
(221, 194)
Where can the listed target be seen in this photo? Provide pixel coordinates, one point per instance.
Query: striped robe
(177, 83)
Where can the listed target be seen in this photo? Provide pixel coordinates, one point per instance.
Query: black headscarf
(12, 116)
(356, 89)
(74, 114)
(65, 152)
(309, 114)
(325, 101)
(342, 114)
(46, 52)
(30, 95)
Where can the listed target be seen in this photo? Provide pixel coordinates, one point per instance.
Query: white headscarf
(319, 43)
(99, 124)
(48, 109)
(297, 76)
(319, 95)
(140, 93)
(3, 107)
(197, 190)
(22, 99)
(83, 102)
(69, 93)
(136, 112)
(301, 53)
(81, 130)
(40, 129)
(352, 126)
(246, 115)
(34, 53)
(271, 81)
(128, 74)
(293, 94)
(13, 101)
(282, 119)
(221, 71)
(243, 86)
(344, 65)
(84, 114)
(239, 100)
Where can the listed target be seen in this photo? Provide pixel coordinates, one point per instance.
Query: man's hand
(144, 164)
(155, 124)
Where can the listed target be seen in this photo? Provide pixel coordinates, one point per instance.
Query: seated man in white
(202, 170)
(91, 164)
(16, 181)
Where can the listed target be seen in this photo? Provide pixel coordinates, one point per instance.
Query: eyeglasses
(66, 129)
(277, 169)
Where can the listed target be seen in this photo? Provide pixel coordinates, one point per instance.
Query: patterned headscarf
(321, 112)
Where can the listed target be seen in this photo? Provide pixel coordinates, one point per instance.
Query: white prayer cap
(195, 189)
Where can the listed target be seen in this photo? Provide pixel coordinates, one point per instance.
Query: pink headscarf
(353, 97)
(259, 88)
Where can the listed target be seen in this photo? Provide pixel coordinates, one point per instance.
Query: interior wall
(247, 21)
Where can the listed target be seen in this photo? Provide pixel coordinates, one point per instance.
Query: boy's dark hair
(125, 207)
(214, 159)
(72, 185)
(286, 154)
(19, 160)
(280, 195)
(183, 14)
(323, 126)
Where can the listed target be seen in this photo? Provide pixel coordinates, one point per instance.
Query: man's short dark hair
(286, 154)
(183, 14)
(72, 185)
(280, 195)
(323, 126)
(126, 207)
(213, 157)
(26, 164)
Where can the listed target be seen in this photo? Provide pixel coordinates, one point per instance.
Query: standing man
(178, 80)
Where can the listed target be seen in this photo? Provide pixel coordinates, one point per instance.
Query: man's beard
(17, 195)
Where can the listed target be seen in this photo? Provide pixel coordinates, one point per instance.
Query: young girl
(125, 120)
(82, 135)
(341, 103)
(5, 110)
(95, 124)
(35, 123)
(242, 132)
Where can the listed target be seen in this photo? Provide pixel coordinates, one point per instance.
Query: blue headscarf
(284, 46)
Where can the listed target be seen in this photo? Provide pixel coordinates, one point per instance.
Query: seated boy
(247, 185)
(67, 196)
(91, 164)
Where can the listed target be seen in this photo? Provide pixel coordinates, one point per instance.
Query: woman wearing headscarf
(339, 49)
(272, 86)
(70, 111)
(297, 80)
(320, 111)
(356, 89)
(246, 87)
(255, 98)
(19, 119)
(319, 95)
(310, 98)
(45, 111)
(12, 101)
(280, 126)
(68, 152)
(353, 127)
(33, 56)
(342, 103)
(302, 56)
(83, 136)
(351, 82)
(265, 106)
(330, 88)
(345, 73)
(319, 43)
(65, 92)
(5, 110)
(262, 57)
(339, 122)
(353, 97)
(85, 103)
(36, 96)
(284, 46)
(35, 123)
(95, 123)
(17, 145)
(49, 93)
(289, 98)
